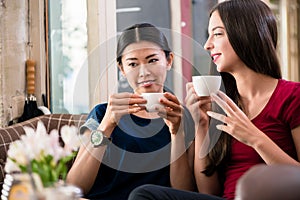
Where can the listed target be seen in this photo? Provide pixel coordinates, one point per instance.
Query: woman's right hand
(198, 106)
(120, 104)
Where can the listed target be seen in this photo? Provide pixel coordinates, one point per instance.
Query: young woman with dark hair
(133, 146)
(261, 123)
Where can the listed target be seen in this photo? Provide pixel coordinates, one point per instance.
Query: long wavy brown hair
(252, 31)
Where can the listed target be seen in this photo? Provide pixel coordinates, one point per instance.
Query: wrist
(258, 141)
(106, 128)
(99, 139)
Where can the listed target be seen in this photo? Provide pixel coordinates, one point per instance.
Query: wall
(13, 38)
(17, 19)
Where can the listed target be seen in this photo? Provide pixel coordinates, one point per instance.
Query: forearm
(205, 184)
(270, 152)
(181, 172)
(86, 166)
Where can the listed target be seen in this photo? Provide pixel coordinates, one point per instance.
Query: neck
(254, 84)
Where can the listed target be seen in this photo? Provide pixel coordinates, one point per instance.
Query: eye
(153, 60)
(133, 64)
(217, 34)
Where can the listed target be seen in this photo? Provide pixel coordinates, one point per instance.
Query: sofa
(13, 132)
(269, 182)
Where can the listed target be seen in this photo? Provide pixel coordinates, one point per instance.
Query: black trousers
(155, 192)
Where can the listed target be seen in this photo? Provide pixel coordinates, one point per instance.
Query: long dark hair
(141, 32)
(252, 32)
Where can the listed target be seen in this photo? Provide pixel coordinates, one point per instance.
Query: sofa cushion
(51, 121)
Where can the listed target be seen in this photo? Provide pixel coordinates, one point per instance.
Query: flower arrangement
(41, 153)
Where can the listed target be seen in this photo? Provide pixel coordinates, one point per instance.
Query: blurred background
(73, 43)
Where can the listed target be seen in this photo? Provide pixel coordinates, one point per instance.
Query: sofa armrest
(269, 182)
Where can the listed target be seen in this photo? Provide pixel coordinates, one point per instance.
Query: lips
(215, 56)
(146, 83)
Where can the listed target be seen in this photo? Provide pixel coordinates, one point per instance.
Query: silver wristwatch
(99, 139)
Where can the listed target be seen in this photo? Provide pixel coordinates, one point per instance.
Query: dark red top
(277, 119)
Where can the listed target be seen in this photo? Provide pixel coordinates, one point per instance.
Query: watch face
(96, 138)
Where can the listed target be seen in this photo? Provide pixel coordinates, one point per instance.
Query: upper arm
(296, 138)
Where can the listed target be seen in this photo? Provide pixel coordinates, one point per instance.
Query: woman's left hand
(236, 123)
(172, 112)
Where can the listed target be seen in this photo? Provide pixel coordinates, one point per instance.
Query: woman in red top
(261, 120)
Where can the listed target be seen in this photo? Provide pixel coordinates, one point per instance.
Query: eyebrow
(217, 28)
(131, 58)
(151, 55)
(147, 57)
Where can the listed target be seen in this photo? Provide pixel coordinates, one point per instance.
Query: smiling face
(219, 46)
(145, 66)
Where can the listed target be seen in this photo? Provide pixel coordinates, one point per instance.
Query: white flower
(37, 150)
(55, 149)
(72, 140)
(17, 151)
(11, 166)
(36, 141)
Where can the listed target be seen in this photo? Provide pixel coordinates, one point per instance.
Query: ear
(120, 66)
(170, 61)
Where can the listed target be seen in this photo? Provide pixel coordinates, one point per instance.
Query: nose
(208, 44)
(143, 71)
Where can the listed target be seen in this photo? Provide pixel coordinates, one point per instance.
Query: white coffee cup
(153, 101)
(205, 85)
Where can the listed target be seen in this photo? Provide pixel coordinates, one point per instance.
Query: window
(288, 48)
(67, 56)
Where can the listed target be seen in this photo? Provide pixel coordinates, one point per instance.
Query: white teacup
(205, 85)
(152, 101)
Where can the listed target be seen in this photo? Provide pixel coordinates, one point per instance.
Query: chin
(149, 91)
(220, 69)
(144, 90)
